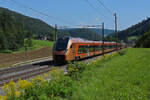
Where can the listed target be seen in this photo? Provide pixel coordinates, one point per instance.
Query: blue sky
(78, 12)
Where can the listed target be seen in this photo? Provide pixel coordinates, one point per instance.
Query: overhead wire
(108, 10)
(93, 7)
(53, 17)
(41, 13)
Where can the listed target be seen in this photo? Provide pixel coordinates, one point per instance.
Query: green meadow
(123, 77)
(36, 44)
(39, 44)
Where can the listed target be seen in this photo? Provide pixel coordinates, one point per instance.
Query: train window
(61, 44)
(83, 49)
(90, 48)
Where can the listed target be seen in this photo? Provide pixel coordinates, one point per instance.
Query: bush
(75, 69)
(6, 51)
(39, 88)
(122, 52)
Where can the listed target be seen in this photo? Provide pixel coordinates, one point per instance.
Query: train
(69, 49)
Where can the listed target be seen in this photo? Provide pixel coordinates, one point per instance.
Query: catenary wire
(108, 10)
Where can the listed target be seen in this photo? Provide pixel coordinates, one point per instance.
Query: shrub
(122, 52)
(40, 89)
(75, 69)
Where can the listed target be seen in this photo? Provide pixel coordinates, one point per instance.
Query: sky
(76, 13)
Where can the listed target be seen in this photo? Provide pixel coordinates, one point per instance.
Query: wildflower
(45, 75)
(3, 97)
(39, 78)
(24, 84)
(17, 93)
(9, 88)
(5, 87)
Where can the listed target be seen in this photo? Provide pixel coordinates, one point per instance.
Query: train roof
(80, 40)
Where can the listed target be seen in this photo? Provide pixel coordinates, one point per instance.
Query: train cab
(60, 49)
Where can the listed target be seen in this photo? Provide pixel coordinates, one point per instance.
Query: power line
(82, 26)
(52, 17)
(90, 4)
(41, 13)
(108, 10)
(93, 7)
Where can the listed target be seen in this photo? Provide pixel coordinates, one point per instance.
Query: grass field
(37, 44)
(132, 38)
(125, 77)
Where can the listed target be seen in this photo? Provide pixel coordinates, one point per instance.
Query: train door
(88, 50)
(72, 53)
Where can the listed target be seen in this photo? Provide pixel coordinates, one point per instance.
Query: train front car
(60, 49)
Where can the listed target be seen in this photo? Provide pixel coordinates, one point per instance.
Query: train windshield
(61, 44)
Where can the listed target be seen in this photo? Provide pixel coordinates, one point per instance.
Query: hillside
(99, 31)
(80, 32)
(32, 25)
(144, 41)
(12, 33)
(135, 31)
(96, 30)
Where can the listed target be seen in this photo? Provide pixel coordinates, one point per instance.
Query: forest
(144, 41)
(12, 33)
(32, 25)
(15, 27)
(80, 32)
(135, 30)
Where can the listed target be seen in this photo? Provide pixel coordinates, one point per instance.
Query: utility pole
(55, 36)
(103, 39)
(116, 33)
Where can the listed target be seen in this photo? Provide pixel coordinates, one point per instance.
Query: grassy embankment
(123, 76)
(38, 50)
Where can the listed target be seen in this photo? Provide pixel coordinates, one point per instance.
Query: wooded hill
(135, 31)
(144, 41)
(15, 27)
(80, 32)
(96, 30)
(12, 33)
(32, 25)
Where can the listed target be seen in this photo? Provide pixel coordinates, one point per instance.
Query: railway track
(24, 71)
(30, 70)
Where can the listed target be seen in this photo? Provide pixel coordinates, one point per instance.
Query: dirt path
(9, 59)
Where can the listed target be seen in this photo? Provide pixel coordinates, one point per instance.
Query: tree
(144, 41)
(11, 32)
(3, 41)
(28, 40)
